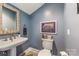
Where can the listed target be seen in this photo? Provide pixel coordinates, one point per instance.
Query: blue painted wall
(57, 12)
(24, 19)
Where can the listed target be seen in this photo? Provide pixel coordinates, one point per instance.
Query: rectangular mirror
(10, 20)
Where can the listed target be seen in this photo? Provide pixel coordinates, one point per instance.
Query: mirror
(10, 20)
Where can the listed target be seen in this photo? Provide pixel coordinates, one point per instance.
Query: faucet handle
(19, 35)
(8, 38)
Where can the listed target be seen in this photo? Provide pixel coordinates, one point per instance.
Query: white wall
(72, 22)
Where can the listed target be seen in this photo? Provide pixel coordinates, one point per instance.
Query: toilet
(47, 45)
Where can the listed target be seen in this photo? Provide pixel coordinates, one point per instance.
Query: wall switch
(68, 31)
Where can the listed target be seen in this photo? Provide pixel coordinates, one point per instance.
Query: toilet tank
(47, 44)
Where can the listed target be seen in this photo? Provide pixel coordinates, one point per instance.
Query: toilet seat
(44, 52)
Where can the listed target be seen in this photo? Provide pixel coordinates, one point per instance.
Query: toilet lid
(44, 52)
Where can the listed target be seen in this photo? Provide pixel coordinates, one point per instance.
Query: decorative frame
(17, 19)
(77, 8)
(45, 27)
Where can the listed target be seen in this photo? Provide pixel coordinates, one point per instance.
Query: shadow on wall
(54, 49)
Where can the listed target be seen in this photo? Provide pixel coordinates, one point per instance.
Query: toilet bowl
(47, 45)
(44, 52)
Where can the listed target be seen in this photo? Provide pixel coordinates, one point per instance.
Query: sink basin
(6, 45)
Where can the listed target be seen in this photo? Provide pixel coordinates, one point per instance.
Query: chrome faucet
(11, 35)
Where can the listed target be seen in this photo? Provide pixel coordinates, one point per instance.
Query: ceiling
(29, 8)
